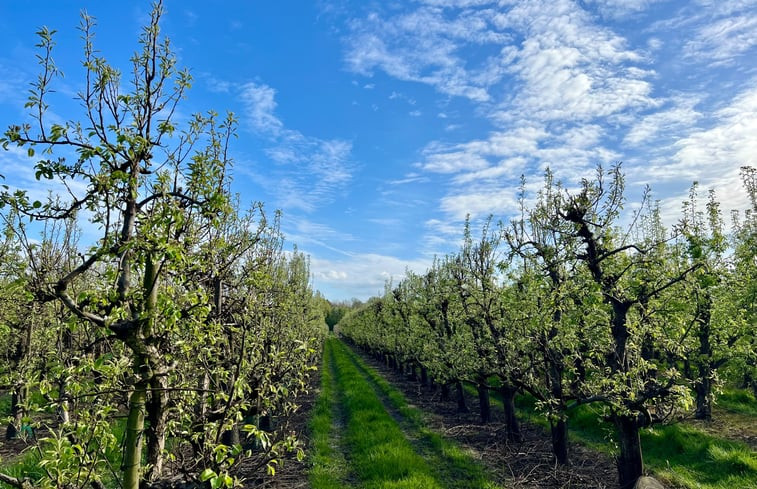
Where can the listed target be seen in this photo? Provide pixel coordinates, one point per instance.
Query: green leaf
(216, 482)
(207, 474)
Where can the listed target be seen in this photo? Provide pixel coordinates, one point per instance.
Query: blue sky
(377, 126)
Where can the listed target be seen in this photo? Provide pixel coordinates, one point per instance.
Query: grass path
(329, 464)
(449, 462)
(384, 443)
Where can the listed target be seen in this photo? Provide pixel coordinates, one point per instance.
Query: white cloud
(423, 46)
(724, 39)
(678, 117)
(621, 8)
(480, 202)
(570, 67)
(361, 275)
(711, 154)
(260, 104)
(216, 85)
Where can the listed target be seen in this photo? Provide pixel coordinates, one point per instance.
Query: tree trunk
(559, 428)
(703, 385)
(135, 423)
(462, 407)
(424, 376)
(483, 401)
(511, 421)
(445, 391)
(157, 415)
(17, 413)
(63, 406)
(703, 388)
(231, 437)
(750, 380)
(630, 462)
(559, 431)
(411, 371)
(201, 408)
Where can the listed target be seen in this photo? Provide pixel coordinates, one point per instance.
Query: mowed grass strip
(678, 454)
(379, 454)
(329, 468)
(449, 462)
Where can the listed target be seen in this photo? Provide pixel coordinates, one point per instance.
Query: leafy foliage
(183, 334)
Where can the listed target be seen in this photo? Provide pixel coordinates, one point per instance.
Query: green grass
(380, 455)
(448, 461)
(678, 454)
(329, 468)
(25, 466)
(738, 401)
(687, 456)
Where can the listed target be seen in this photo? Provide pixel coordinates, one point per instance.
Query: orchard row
(576, 302)
(152, 327)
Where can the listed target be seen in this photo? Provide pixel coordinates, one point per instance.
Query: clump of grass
(687, 456)
(26, 466)
(738, 401)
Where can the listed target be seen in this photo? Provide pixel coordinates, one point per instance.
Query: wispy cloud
(423, 46)
(13, 84)
(309, 171)
(718, 151)
(306, 232)
(260, 104)
(550, 80)
(724, 39)
(617, 9)
(678, 115)
(571, 67)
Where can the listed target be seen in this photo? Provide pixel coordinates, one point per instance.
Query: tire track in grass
(448, 462)
(379, 454)
(330, 469)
